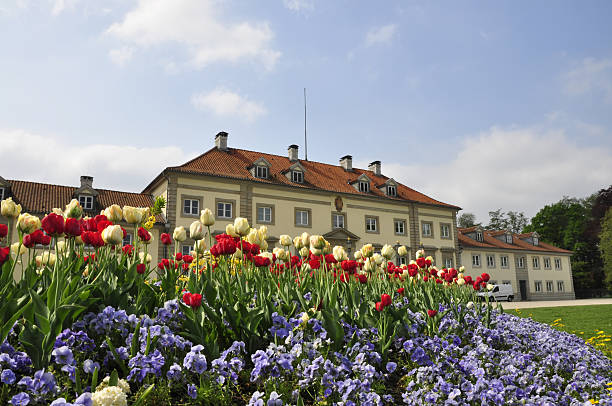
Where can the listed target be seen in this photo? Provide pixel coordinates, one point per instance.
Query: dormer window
(509, 238)
(364, 187)
(86, 202)
(479, 236)
(261, 172)
(2, 193)
(297, 177)
(536, 240)
(391, 191)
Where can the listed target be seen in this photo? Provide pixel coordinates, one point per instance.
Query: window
(503, 260)
(560, 286)
(538, 286)
(297, 177)
(391, 190)
(261, 172)
(302, 218)
(491, 261)
(400, 227)
(478, 235)
(128, 239)
(224, 210)
(493, 282)
(476, 260)
(1, 193)
(520, 262)
(371, 224)
(506, 283)
(337, 220)
(549, 286)
(536, 262)
(536, 241)
(191, 207)
(402, 261)
(186, 249)
(264, 214)
(364, 187)
(557, 263)
(448, 262)
(445, 230)
(509, 238)
(546, 263)
(427, 230)
(86, 202)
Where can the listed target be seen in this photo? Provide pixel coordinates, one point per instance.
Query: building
(40, 198)
(348, 206)
(536, 270)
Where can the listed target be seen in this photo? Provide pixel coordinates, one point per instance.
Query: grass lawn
(592, 323)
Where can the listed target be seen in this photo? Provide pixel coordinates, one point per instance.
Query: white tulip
(297, 242)
(305, 239)
(317, 241)
(73, 210)
(112, 235)
(387, 251)
(304, 251)
(339, 253)
(113, 213)
(199, 246)
(229, 230)
(27, 224)
(8, 208)
(196, 230)
(207, 218)
(285, 240)
(15, 246)
(241, 226)
(179, 234)
(378, 259)
(402, 251)
(367, 250)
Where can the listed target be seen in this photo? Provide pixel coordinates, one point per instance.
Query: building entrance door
(523, 288)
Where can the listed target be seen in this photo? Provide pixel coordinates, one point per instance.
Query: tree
(605, 246)
(466, 220)
(512, 221)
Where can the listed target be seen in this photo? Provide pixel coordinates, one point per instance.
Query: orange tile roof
(41, 198)
(235, 163)
(489, 241)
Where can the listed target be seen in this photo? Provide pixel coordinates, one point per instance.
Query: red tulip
(141, 268)
(379, 306)
(485, 277)
(53, 224)
(401, 291)
(166, 239)
(4, 255)
(45, 240)
(421, 262)
(73, 227)
(178, 256)
(128, 249)
(3, 230)
(432, 313)
(187, 259)
(385, 299)
(362, 278)
(143, 234)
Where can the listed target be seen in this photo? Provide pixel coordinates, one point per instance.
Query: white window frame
(127, 240)
(265, 217)
(297, 176)
(335, 223)
(86, 202)
(403, 260)
(448, 263)
(186, 249)
(479, 236)
(371, 224)
(224, 206)
(261, 171)
(2, 191)
(560, 286)
(508, 238)
(521, 262)
(194, 209)
(490, 261)
(550, 286)
(444, 231)
(535, 261)
(301, 215)
(547, 263)
(364, 186)
(558, 266)
(429, 227)
(402, 226)
(538, 286)
(503, 261)
(476, 260)
(391, 190)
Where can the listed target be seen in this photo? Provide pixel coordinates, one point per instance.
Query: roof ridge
(74, 187)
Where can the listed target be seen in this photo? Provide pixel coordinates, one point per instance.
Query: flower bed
(235, 324)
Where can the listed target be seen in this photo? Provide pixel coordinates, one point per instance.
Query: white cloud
(48, 159)
(299, 5)
(519, 169)
(590, 75)
(380, 35)
(198, 27)
(223, 102)
(121, 56)
(60, 5)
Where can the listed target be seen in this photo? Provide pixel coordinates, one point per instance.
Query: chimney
(347, 163)
(87, 181)
(293, 152)
(221, 141)
(375, 167)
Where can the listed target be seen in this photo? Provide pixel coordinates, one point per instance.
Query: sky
(485, 105)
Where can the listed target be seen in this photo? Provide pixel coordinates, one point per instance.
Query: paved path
(555, 303)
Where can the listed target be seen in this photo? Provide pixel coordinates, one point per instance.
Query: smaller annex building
(536, 270)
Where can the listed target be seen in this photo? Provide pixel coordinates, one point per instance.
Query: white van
(499, 292)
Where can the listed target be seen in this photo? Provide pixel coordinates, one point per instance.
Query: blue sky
(482, 104)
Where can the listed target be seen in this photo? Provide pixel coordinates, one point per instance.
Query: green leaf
(144, 395)
(114, 378)
(118, 360)
(94, 379)
(135, 341)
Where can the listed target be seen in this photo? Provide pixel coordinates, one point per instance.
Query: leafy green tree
(466, 220)
(605, 246)
(512, 221)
